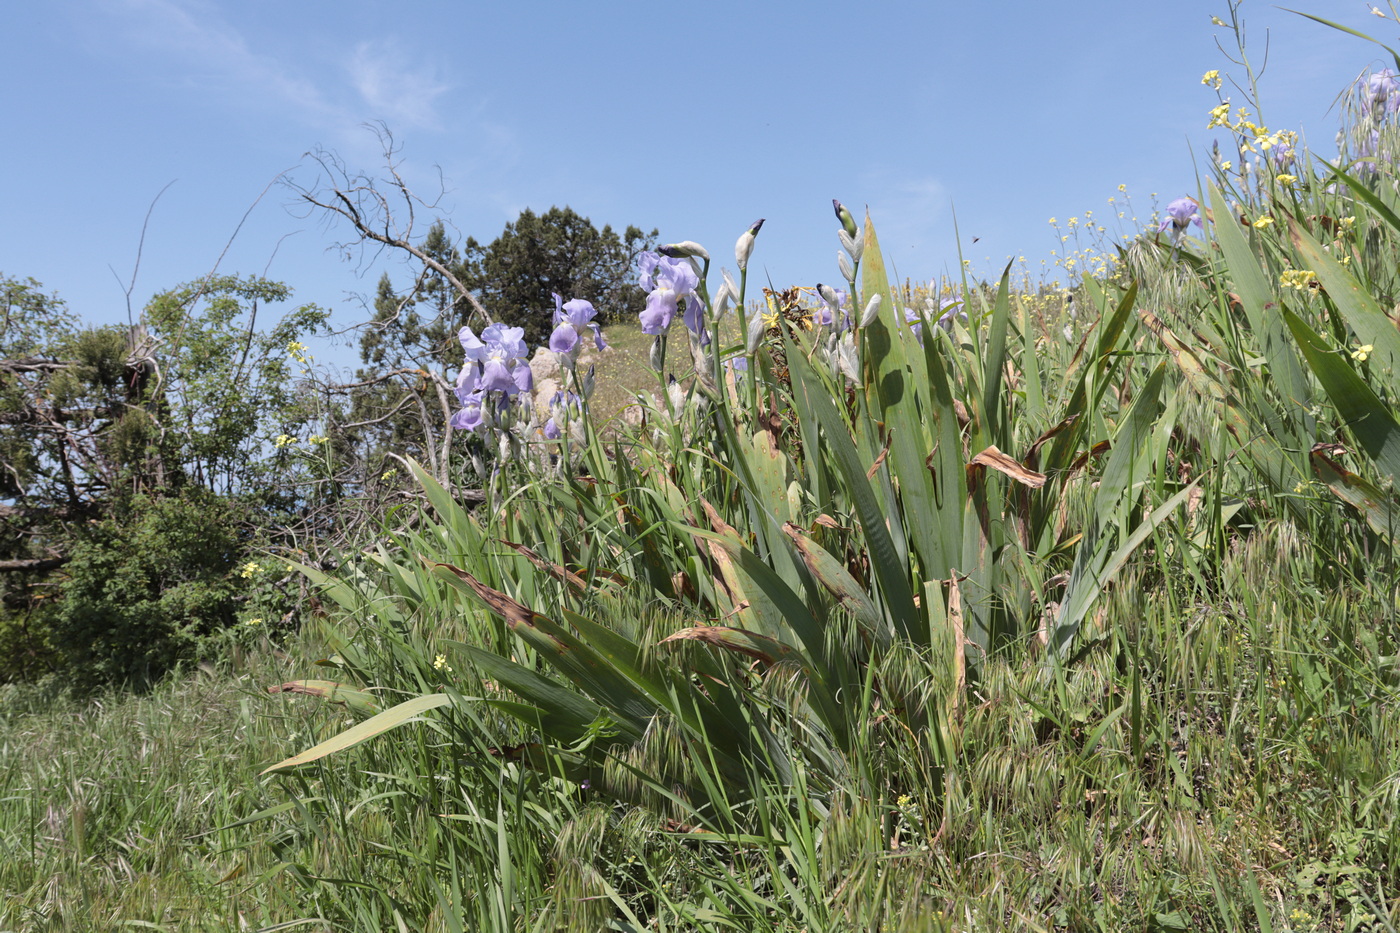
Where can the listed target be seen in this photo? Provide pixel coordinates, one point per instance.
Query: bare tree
(384, 213)
(381, 211)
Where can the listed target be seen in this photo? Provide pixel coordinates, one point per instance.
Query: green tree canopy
(559, 251)
(100, 426)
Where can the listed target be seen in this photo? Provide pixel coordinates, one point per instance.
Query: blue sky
(694, 118)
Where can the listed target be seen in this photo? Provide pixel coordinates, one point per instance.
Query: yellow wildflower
(440, 664)
(317, 439)
(283, 440)
(250, 570)
(1362, 352)
(257, 621)
(1212, 79)
(1286, 179)
(1263, 222)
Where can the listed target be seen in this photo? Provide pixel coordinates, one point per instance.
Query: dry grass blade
(1009, 466)
(331, 691)
(1376, 506)
(562, 574)
(514, 613)
(960, 645)
(759, 647)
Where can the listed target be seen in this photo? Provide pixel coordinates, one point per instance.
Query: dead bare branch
(370, 212)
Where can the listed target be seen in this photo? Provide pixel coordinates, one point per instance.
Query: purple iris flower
(1382, 92)
(561, 404)
(470, 417)
(572, 321)
(1367, 154)
(470, 394)
(565, 341)
(472, 397)
(830, 311)
(670, 280)
(1181, 213)
(495, 363)
(916, 323)
(950, 308)
(646, 265)
(502, 355)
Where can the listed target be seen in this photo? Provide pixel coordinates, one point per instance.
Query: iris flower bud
(855, 245)
(743, 248)
(847, 271)
(685, 248)
(848, 223)
(722, 299)
(872, 308)
(755, 334)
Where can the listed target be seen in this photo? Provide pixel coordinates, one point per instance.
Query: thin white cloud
(374, 81)
(397, 92)
(214, 52)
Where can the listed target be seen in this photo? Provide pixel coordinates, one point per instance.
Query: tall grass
(1023, 621)
(113, 809)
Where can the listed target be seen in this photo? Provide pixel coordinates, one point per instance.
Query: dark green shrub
(147, 588)
(26, 626)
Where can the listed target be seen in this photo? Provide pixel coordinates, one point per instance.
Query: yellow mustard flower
(1362, 352)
